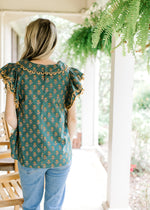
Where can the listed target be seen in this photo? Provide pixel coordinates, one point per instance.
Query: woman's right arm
(71, 120)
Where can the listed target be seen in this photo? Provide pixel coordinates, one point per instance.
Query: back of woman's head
(40, 39)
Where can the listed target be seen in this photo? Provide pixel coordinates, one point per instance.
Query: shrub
(142, 100)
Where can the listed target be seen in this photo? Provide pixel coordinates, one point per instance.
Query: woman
(40, 107)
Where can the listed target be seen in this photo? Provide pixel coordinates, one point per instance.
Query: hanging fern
(79, 45)
(130, 19)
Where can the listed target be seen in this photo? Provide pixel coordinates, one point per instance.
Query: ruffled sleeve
(9, 76)
(74, 86)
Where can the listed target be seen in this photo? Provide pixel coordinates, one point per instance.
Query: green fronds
(129, 18)
(79, 45)
(143, 28)
(102, 26)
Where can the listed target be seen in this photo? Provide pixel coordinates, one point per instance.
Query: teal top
(43, 93)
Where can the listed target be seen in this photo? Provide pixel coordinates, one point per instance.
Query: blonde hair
(40, 39)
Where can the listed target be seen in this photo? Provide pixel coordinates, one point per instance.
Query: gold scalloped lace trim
(74, 96)
(47, 73)
(82, 77)
(10, 87)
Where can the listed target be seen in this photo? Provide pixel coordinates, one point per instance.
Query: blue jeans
(32, 182)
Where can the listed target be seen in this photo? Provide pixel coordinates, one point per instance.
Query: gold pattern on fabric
(41, 139)
(75, 77)
(47, 73)
(76, 93)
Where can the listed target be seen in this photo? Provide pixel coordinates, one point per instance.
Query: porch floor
(86, 183)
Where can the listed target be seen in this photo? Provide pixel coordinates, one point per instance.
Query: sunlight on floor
(86, 183)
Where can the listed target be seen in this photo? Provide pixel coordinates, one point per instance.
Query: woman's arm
(71, 121)
(10, 110)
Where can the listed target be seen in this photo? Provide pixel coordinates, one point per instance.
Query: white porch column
(120, 129)
(90, 104)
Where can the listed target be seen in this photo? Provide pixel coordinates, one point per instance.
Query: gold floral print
(43, 96)
(34, 71)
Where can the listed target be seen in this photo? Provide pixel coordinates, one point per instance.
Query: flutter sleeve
(9, 76)
(74, 86)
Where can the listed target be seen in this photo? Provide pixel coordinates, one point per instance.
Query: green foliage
(141, 139)
(101, 138)
(129, 18)
(104, 97)
(103, 134)
(141, 115)
(142, 100)
(79, 45)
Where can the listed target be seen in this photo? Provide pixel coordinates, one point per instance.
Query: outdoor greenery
(79, 45)
(130, 19)
(142, 100)
(104, 96)
(141, 117)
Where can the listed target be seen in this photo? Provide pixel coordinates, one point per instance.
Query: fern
(79, 45)
(129, 18)
(104, 24)
(143, 30)
(131, 21)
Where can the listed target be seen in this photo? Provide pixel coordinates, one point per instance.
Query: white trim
(35, 12)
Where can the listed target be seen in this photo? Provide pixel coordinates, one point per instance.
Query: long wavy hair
(40, 39)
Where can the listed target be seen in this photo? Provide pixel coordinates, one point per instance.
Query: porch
(86, 183)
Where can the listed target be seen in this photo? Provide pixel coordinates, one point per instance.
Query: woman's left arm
(10, 110)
